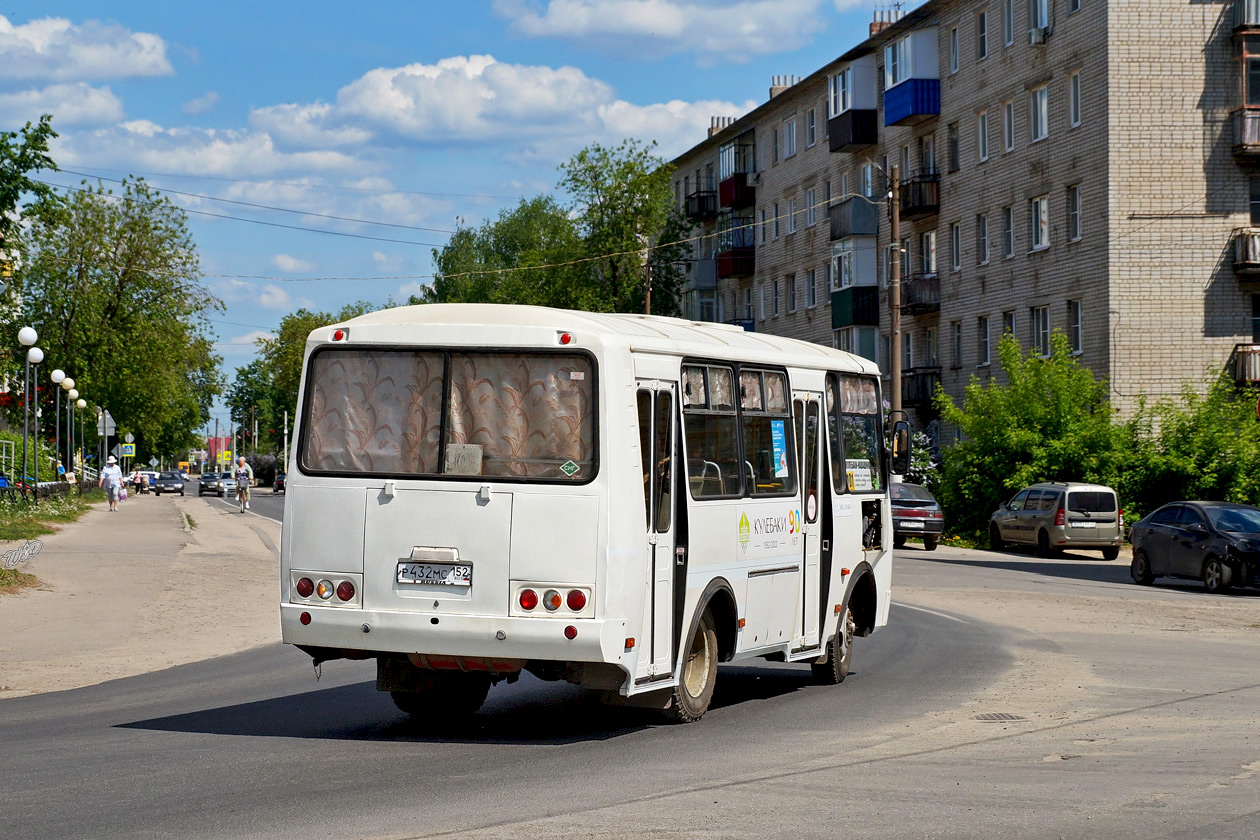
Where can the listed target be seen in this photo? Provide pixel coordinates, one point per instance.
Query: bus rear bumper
(382, 631)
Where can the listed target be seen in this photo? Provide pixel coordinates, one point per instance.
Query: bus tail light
(324, 589)
(345, 590)
(1060, 517)
(305, 586)
(576, 600)
(552, 600)
(529, 599)
(570, 632)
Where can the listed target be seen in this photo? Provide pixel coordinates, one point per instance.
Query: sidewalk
(137, 591)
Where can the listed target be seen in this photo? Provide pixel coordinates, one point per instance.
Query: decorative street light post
(66, 384)
(81, 404)
(72, 396)
(57, 377)
(33, 357)
(26, 337)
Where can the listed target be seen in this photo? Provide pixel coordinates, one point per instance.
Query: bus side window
(711, 428)
(664, 466)
(645, 450)
(770, 454)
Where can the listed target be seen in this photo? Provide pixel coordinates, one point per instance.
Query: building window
(1039, 317)
(1008, 323)
(868, 179)
(774, 155)
(844, 189)
(1038, 114)
(791, 219)
(982, 240)
(811, 208)
(858, 340)
(1254, 187)
(1039, 222)
(905, 256)
(811, 288)
(929, 347)
(1074, 212)
(982, 340)
(1038, 14)
(907, 350)
(764, 295)
(955, 342)
(840, 98)
(927, 252)
(1008, 126)
(774, 297)
(1074, 6)
(748, 306)
(896, 62)
(1008, 22)
(811, 131)
(1255, 319)
(764, 226)
(1075, 336)
(955, 246)
(1008, 231)
(789, 283)
(789, 138)
(982, 135)
(951, 140)
(1074, 99)
(776, 220)
(982, 35)
(927, 154)
(953, 50)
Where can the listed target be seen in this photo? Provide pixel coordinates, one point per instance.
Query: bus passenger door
(807, 411)
(655, 402)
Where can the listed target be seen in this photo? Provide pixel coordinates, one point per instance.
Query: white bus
(620, 501)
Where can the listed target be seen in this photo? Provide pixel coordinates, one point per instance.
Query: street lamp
(58, 376)
(33, 357)
(26, 337)
(71, 396)
(66, 384)
(80, 404)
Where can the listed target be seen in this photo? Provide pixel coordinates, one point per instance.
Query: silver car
(217, 483)
(1056, 516)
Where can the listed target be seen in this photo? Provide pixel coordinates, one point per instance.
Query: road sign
(129, 438)
(129, 450)
(153, 462)
(105, 425)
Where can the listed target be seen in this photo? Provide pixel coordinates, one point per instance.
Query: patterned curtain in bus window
(374, 411)
(721, 389)
(750, 390)
(530, 414)
(776, 393)
(693, 387)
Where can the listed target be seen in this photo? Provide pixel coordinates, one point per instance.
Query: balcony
(1247, 252)
(1246, 15)
(703, 274)
(1244, 363)
(1246, 133)
(921, 294)
(855, 306)
(702, 205)
(918, 386)
(853, 131)
(735, 252)
(853, 216)
(737, 191)
(920, 195)
(736, 262)
(912, 102)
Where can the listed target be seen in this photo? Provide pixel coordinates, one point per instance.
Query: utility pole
(215, 456)
(894, 294)
(253, 422)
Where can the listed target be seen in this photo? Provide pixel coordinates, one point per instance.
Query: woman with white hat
(111, 480)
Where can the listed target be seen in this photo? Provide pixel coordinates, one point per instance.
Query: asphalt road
(252, 746)
(262, 502)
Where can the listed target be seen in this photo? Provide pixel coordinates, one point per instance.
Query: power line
(270, 207)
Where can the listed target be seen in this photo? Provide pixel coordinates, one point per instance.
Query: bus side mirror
(901, 448)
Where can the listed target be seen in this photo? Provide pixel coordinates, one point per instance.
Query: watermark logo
(14, 556)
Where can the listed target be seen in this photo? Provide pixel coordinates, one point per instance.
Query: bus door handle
(680, 556)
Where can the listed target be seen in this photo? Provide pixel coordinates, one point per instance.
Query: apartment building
(1089, 166)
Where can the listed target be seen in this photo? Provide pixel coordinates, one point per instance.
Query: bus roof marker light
(341, 335)
(566, 338)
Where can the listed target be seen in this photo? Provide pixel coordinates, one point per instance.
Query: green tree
(251, 400)
(17, 161)
(112, 285)
(1051, 420)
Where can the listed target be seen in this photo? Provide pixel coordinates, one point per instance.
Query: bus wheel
(699, 673)
(442, 696)
(836, 668)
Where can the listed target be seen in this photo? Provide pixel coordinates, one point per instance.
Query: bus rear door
(655, 401)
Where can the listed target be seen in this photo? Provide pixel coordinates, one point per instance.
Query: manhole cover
(992, 717)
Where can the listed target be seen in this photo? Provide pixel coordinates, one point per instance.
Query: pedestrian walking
(111, 480)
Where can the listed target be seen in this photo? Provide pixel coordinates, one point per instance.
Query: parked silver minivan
(1058, 516)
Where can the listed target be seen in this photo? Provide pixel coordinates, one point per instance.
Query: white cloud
(58, 50)
(389, 263)
(202, 103)
(250, 338)
(274, 297)
(414, 288)
(715, 29)
(284, 262)
(72, 104)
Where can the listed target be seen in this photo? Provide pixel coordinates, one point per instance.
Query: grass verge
(192, 523)
(21, 521)
(11, 580)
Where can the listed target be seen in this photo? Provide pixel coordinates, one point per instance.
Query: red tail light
(570, 632)
(529, 599)
(345, 590)
(576, 600)
(1122, 518)
(1060, 517)
(305, 586)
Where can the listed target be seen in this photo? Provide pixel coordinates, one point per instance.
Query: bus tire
(444, 696)
(694, 691)
(836, 668)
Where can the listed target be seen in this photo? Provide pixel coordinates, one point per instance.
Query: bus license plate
(438, 574)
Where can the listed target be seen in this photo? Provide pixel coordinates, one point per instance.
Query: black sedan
(168, 482)
(916, 513)
(1215, 542)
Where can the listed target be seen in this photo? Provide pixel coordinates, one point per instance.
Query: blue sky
(410, 114)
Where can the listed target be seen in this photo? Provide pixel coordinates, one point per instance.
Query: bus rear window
(433, 413)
